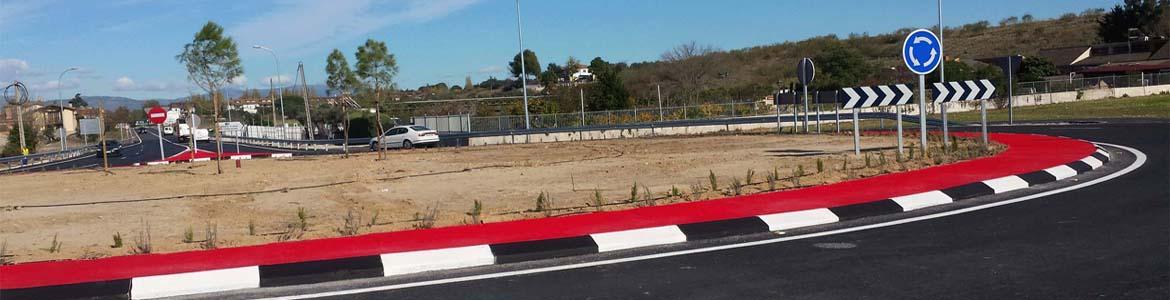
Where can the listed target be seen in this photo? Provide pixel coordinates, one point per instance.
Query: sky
(127, 47)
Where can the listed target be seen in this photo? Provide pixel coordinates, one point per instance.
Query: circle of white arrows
(943, 92)
(923, 40)
(870, 96)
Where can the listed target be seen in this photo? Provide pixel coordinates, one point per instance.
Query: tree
(467, 84)
(609, 91)
(377, 66)
(341, 78)
(212, 60)
(531, 64)
(1148, 16)
(150, 103)
(1035, 68)
(688, 66)
(840, 66)
(12, 148)
(78, 102)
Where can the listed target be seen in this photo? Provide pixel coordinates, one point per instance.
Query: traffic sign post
(157, 115)
(920, 52)
(943, 92)
(805, 71)
(873, 96)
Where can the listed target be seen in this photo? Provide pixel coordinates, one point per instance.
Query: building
(52, 115)
(1142, 55)
(582, 74)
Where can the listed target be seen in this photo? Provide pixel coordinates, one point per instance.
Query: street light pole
(942, 74)
(523, 71)
(61, 105)
(279, 92)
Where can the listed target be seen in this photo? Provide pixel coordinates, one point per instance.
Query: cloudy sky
(127, 47)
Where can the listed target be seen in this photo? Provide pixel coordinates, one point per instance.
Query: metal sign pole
(837, 111)
(779, 129)
(921, 113)
(983, 118)
(582, 91)
(805, 107)
(161, 155)
(898, 112)
(856, 134)
(795, 113)
(1011, 115)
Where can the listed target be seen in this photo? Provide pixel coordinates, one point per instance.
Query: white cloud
(240, 81)
(53, 85)
(12, 69)
(301, 26)
(125, 84)
(16, 14)
(278, 80)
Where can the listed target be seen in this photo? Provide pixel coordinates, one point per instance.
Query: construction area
(86, 214)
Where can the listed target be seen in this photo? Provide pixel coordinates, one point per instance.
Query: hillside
(753, 72)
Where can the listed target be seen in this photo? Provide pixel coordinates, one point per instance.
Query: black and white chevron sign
(870, 96)
(943, 92)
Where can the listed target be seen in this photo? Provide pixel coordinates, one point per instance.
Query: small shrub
(426, 219)
(748, 178)
(350, 223)
(374, 218)
(911, 155)
(303, 218)
(142, 243)
(675, 192)
(5, 259)
(882, 159)
(713, 180)
(212, 236)
(476, 212)
(252, 227)
(867, 161)
(647, 196)
(54, 246)
(845, 164)
(189, 235)
(771, 179)
(542, 202)
(820, 166)
(292, 231)
(796, 173)
(598, 200)
(634, 193)
(697, 190)
(736, 187)
(117, 240)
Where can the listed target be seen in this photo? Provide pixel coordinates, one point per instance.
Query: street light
(279, 92)
(523, 71)
(61, 104)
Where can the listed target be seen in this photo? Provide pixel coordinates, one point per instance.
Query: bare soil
(264, 201)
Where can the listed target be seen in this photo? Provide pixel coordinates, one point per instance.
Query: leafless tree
(688, 66)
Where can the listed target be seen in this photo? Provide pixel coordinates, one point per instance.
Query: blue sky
(127, 47)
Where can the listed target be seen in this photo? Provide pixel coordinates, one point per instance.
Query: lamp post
(523, 71)
(279, 92)
(61, 104)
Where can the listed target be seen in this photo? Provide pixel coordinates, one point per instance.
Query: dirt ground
(76, 214)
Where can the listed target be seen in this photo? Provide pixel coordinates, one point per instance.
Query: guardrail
(461, 138)
(16, 162)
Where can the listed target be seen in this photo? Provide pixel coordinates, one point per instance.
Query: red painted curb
(1024, 153)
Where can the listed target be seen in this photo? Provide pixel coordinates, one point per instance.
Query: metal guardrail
(15, 162)
(1085, 83)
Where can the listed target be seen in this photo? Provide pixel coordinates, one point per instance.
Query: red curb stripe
(1025, 153)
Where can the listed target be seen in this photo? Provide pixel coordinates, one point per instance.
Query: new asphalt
(1109, 240)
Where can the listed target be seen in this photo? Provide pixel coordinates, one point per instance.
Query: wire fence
(1084, 83)
(624, 117)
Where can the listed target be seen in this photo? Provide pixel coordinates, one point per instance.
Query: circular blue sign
(922, 51)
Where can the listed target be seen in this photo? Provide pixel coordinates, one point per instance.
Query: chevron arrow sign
(943, 92)
(870, 96)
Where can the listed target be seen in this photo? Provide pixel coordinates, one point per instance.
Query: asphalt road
(146, 151)
(1110, 240)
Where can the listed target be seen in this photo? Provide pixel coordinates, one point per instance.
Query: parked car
(406, 137)
(113, 149)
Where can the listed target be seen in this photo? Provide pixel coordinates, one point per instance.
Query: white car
(406, 137)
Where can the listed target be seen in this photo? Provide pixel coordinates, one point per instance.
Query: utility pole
(660, 114)
(61, 104)
(305, 94)
(582, 106)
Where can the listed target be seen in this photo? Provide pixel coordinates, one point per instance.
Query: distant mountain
(113, 102)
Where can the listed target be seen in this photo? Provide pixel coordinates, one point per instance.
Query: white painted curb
(438, 259)
(803, 218)
(627, 239)
(194, 282)
(921, 200)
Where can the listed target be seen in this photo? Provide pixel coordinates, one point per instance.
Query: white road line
(1141, 160)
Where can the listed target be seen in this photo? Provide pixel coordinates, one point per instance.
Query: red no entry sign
(157, 115)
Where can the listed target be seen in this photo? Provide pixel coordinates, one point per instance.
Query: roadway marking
(1138, 162)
